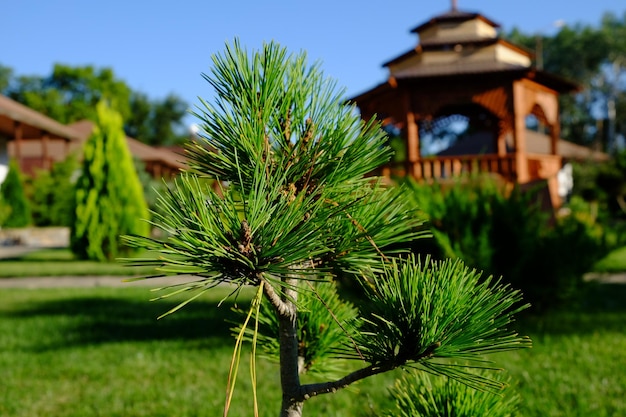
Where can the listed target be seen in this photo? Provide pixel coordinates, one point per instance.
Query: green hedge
(506, 233)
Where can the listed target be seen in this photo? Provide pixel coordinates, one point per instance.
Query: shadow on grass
(40, 255)
(600, 308)
(97, 320)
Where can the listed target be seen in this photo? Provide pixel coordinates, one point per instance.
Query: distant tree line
(70, 94)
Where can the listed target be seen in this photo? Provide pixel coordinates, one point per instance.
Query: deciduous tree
(157, 122)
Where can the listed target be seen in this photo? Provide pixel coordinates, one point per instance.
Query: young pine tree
(299, 210)
(109, 197)
(13, 196)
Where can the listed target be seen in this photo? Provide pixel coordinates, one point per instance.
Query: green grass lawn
(615, 261)
(101, 352)
(58, 262)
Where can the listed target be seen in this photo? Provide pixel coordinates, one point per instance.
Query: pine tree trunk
(289, 375)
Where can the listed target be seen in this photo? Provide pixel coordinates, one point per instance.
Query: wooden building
(37, 141)
(159, 162)
(462, 66)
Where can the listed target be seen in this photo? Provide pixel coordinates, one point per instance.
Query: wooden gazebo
(462, 66)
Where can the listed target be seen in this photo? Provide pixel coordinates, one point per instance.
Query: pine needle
(234, 364)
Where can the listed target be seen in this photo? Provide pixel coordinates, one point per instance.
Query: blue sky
(160, 47)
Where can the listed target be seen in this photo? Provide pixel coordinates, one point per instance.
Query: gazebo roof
(449, 68)
(443, 74)
(453, 16)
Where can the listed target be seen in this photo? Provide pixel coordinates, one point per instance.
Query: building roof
(34, 124)
(442, 74)
(138, 149)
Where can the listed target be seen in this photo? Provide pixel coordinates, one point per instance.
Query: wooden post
(501, 139)
(45, 154)
(412, 138)
(555, 132)
(17, 136)
(158, 171)
(519, 132)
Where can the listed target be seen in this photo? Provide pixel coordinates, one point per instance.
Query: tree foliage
(13, 196)
(6, 74)
(604, 186)
(109, 197)
(157, 122)
(298, 209)
(70, 94)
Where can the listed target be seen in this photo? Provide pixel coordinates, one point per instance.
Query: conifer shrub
(109, 196)
(14, 196)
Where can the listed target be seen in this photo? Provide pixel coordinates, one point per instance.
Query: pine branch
(282, 307)
(312, 390)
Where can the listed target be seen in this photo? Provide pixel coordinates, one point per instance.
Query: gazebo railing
(441, 167)
(540, 166)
